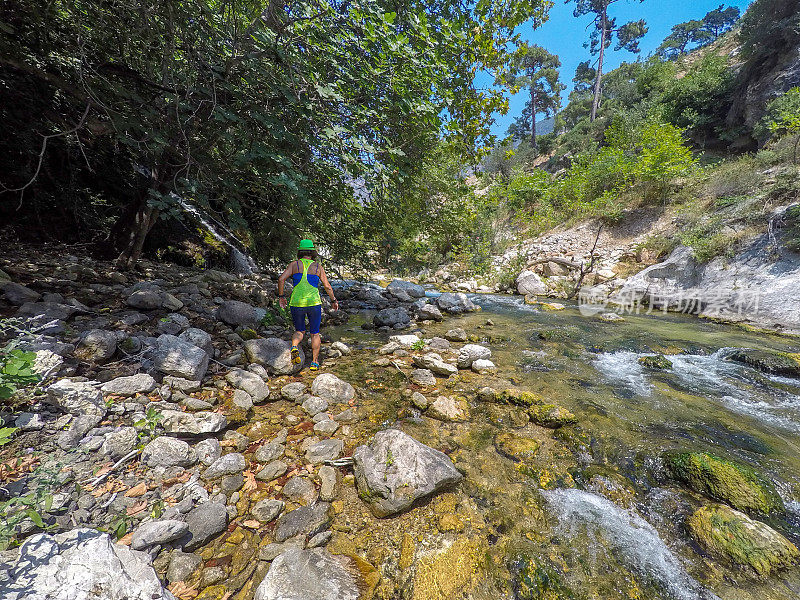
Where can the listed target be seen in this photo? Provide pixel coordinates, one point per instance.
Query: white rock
(333, 389)
(141, 383)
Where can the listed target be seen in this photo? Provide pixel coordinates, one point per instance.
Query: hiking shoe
(296, 355)
(314, 367)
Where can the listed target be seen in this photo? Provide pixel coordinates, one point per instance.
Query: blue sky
(564, 35)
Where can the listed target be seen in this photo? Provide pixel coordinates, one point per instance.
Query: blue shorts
(314, 314)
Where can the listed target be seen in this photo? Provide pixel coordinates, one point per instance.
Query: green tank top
(305, 293)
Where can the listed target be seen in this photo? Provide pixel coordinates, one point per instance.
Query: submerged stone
(534, 581)
(552, 416)
(452, 573)
(730, 533)
(735, 484)
(659, 361)
(516, 447)
(770, 361)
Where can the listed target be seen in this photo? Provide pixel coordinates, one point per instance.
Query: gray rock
(173, 324)
(470, 353)
(142, 383)
(332, 388)
(242, 399)
(269, 452)
(313, 574)
(341, 347)
(230, 484)
(300, 489)
(529, 283)
(415, 471)
(324, 450)
(406, 287)
(326, 426)
(77, 397)
(249, 382)
(329, 488)
(392, 317)
(434, 363)
(314, 405)
(98, 345)
(483, 366)
(349, 415)
(267, 510)
(306, 520)
(456, 335)
(154, 533)
(419, 401)
(198, 337)
(173, 356)
(205, 521)
(29, 421)
(208, 450)
(76, 564)
(293, 391)
(78, 428)
(455, 303)
(119, 443)
(273, 354)
(182, 565)
(167, 452)
(273, 470)
(182, 385)
(423, 377)
(430, 312)
(47, 311)
(17, 294)
(182, 423)
(147, 299)
(320, 539)
(47, 364)
(439, 343)
(239, 314)
(225, 465)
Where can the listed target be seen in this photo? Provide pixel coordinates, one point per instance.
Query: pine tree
(720, 20)
(536, 69)
(605, 27)
(677, 43)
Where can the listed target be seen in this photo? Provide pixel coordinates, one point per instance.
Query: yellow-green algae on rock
(451, 573)
(516, 447)
(725, 481)
(730, 533)
(552, 416)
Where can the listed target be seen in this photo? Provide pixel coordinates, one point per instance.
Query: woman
(305, 301)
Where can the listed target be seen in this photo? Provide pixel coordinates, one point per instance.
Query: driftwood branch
(584, 268)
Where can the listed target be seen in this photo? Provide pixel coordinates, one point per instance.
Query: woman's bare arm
(328, 288)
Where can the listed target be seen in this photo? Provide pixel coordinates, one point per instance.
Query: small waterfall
(241, 263)
(629, 536)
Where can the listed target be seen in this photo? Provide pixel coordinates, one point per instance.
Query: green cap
(306, 245)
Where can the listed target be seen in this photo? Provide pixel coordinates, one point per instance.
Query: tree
(719, 20)
(535, 68)
(677, 43)
(605, 27)
(261, 113)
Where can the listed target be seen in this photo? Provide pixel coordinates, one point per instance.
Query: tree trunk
(146, 216)
(533, 120)
(599, 77)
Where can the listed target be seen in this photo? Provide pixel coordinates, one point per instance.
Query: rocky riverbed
(172, 449)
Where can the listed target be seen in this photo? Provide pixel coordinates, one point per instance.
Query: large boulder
(239, 314)
(183, 423)
(274, 354)
(174, 356)
(97, 345)
(396, 318)
(82, 564)
(470, 353)
(47, 311)
(529, 283)
(313, 574)
(249, 382)
(142, 383)
(455, 303)
(732, 534)
(725, 481)
(17, 294)
(166, 451)
(332, 388)
(394, 470)
(77, 397)
(406, 288)
(429, 312)
(198, 337)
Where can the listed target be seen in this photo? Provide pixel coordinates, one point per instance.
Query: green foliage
(274, 315)
(16, 370)
(792, 228)
(6, 434)
(17, 509)
(149, 424)
(119, 525)
(782, 116)
(418, 345)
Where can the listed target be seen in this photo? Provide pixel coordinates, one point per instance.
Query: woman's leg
(299, 321)
(314, 322)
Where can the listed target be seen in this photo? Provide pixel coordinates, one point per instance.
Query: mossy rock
(726, 532)
(552, 416)
(659, 361)
(534, 581)
(246, 333)
(518, 398)
(769, 361)
(735, 484)
(515, 447)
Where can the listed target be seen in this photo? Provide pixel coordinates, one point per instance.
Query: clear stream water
(636, 546)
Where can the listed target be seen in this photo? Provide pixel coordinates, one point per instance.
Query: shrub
(782, 116)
